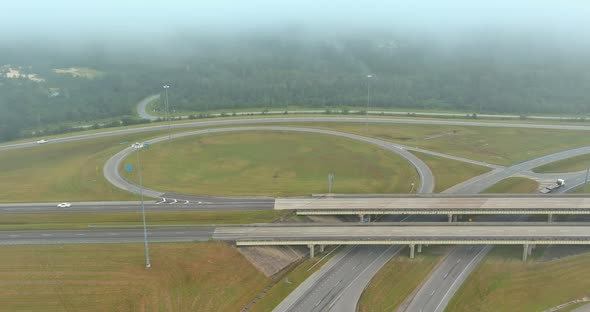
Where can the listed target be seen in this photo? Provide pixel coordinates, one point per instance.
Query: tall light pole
(138, 147)
(368, 101)
(166, 87)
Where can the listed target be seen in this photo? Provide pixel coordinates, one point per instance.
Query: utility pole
(368, 101)
(330, 182)
(138, 147)
(166, 87)
(586, 181)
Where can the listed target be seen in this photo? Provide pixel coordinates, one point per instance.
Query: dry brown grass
(112, 277)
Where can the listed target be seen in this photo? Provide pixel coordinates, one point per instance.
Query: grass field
(583, 190)
(573, 164)
(63, 172)
(503, 282)
(397, 280)
(271, 163)
(290, 281)
(113, 277)
(448, 172)
(502, 146)
(514, 185)
(63, 221)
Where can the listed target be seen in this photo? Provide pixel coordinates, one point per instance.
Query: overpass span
(311, 236)
(444, 205)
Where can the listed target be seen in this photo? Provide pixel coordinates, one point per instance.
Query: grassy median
(398, 278)
(271, 163)
(113, 277)
(502, 282)
(495, 145)
(514, 185)
(573, 164)
(448, 172)
(69, 221)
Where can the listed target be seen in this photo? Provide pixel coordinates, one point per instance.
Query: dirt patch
(272, 259)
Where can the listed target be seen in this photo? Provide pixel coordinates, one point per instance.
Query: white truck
(548, 189)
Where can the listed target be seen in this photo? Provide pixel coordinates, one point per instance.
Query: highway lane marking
(13, 235)
(46, 235)
(160, 202)
(174, 202)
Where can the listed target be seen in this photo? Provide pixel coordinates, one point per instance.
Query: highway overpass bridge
(413, 236)
(432, 205)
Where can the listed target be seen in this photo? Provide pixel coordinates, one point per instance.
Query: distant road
(142, 107)
(214, 123)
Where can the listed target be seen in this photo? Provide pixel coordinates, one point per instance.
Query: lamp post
(166, 87)
(368, 101)
(138, 147)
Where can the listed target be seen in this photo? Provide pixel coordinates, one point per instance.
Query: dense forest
(491, 74)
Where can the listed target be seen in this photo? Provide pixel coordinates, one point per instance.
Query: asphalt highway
(226, 122)
(142, 105)
(155, 235)
(205, 204)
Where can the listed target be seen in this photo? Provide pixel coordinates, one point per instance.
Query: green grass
(64, 221)
(398, 278)
(503, 282)
(63, 172)
(583, 190)
(513, 185)
(113, 277)
(271, 163)
(283, 287)
(448, 172)
(573, 164)
(496, 145)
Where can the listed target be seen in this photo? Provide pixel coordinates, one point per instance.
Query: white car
(42, 141)
(64, 205)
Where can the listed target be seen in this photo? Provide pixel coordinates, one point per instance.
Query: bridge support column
(369, 218)
(362, 218)
(419, 248)
(550, 218)
(450, 217)
(322, 248)
(412, 251)
(311, 250)
(525, 252)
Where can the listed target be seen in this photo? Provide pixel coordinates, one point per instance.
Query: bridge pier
(322, 248)
(412, 251)
(311, 250)
(527, 251)
(362, 218)
(450, 217)
(419, 248)
(550, 218)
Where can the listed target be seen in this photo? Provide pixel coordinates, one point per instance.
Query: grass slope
(513, 185)
(112, 277)
(63, 221)
(448, 172)
(503, 282)
(496, 145)
(573, 164)
(271, 163)
(397, 280)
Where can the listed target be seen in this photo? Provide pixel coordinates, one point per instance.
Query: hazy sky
(90, 17)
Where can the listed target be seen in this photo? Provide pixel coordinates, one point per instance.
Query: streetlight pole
(368, 101)
(138, 147)
(166, 87)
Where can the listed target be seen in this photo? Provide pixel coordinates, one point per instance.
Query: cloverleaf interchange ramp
(371, 256)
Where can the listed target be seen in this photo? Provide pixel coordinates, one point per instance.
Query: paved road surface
(205, 204)
(141, 107)
(213, 123)
(179, 234)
